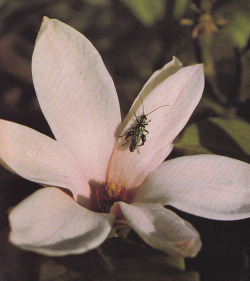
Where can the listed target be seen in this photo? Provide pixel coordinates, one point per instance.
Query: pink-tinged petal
(181, 92)
(158, 76)
(77, 95)
(210, 186)
(41, 159)
(50, 222)
(160, 228)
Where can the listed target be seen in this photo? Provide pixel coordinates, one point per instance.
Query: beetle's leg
(129, 134)
(147, 122)
(129, 129)
(143, 140)
(125, 133)
(146, 131)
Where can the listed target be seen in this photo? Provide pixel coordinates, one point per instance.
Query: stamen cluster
(106, 195)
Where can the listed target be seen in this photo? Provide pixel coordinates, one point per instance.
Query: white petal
(41, 159)
(210, 186)
(50, 222)
(182, 92)
(161, 228)
(153, 82)
(77, 95)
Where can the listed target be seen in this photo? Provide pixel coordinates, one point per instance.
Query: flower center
(106, 195)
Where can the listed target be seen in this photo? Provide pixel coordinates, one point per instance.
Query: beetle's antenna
(157, 108)
(142, 103)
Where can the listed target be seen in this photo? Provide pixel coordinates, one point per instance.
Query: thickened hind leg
(129, 134)
(143, 139)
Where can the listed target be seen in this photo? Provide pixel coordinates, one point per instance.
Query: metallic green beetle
(137, 132)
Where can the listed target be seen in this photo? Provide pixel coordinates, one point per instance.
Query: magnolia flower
(110, 186)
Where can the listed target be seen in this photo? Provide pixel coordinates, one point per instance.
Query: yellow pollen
(106, 195)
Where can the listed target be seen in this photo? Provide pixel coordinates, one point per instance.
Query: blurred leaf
(61, 9)
(2, 3)
(11, 61)
(180, 8)
(212, 107)
(244, 94)
(238, 28)
(189, 143)
(100, 3)
(50, 270)
(147, 11)
(228, 137)
(237, 129)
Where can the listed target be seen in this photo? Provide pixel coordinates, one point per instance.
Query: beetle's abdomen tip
(131, 149)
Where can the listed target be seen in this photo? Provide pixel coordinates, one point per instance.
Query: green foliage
(147, 11)
(238, 29)
(101, 3)
(237, 129)
(180, 8)
(189, 143)
(228, 137)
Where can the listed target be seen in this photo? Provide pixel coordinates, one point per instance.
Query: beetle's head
(143, 118)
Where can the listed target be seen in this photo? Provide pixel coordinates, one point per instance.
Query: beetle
(138, 132)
